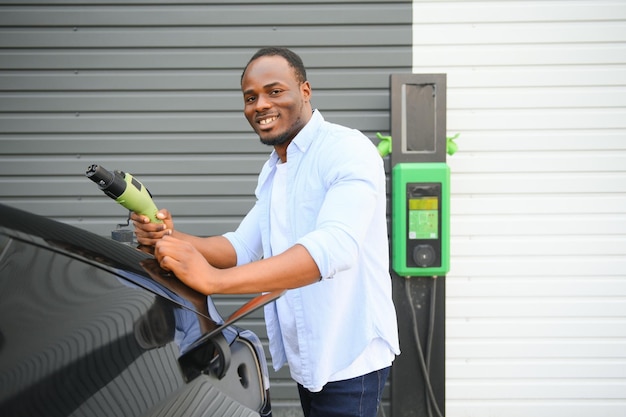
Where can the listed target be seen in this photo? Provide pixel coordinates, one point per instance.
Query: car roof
(122, 260)
(132, 264)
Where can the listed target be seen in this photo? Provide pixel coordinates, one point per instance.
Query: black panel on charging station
(418, 131)
(424, 251)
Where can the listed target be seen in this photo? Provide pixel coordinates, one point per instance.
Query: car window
(78, 335)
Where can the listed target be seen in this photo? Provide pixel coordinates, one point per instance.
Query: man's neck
(281, 150)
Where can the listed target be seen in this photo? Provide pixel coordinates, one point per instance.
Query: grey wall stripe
(152, 88)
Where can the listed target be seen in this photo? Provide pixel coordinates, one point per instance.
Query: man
(319, 229)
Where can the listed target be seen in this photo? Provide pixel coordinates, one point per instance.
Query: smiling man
(318, 229)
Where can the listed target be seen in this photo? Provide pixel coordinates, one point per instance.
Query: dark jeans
(356, 397)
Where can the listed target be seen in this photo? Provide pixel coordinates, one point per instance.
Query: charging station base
(420, 301)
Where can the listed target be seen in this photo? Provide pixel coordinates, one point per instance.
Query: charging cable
(425, 361)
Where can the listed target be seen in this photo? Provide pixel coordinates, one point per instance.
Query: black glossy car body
(93, 327)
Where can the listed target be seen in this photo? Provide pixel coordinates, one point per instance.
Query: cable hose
(425, 370)
(429, 340)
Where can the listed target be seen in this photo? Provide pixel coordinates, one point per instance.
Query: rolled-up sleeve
(246, 240)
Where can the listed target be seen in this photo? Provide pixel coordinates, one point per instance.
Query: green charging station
(420, 241)
(421, 219)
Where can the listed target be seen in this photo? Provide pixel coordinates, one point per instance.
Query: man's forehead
(269, 65)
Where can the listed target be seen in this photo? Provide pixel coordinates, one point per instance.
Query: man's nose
(262, 102)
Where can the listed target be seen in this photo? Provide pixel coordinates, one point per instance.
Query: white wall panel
(536, 296)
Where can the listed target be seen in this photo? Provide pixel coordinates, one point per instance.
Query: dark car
(93, 327)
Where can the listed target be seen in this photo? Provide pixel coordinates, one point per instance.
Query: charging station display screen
(423, 217)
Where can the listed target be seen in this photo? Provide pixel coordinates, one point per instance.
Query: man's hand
(187, 263)
(149, 233)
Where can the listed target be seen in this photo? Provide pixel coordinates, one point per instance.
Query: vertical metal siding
(152, 88)
(536, 311)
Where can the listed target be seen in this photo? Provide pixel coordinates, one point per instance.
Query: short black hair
(291, 57)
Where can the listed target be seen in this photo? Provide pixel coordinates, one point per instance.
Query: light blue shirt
(336, 205)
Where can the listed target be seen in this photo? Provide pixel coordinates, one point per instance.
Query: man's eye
(250, 99)
(274, 92)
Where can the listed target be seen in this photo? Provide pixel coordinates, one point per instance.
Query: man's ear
(305, 89)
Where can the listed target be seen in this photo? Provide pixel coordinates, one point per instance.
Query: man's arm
(291, 269)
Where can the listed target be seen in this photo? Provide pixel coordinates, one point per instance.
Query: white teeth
(267, 121)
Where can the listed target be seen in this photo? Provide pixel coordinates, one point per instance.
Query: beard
(286, 136)
(276, 140)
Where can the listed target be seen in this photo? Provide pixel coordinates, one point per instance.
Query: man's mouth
(267, 120)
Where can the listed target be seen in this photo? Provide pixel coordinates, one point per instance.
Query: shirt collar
(303, 139)
(308, 133)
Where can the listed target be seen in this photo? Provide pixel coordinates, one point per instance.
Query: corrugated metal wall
(536, 297)
(152, 88)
